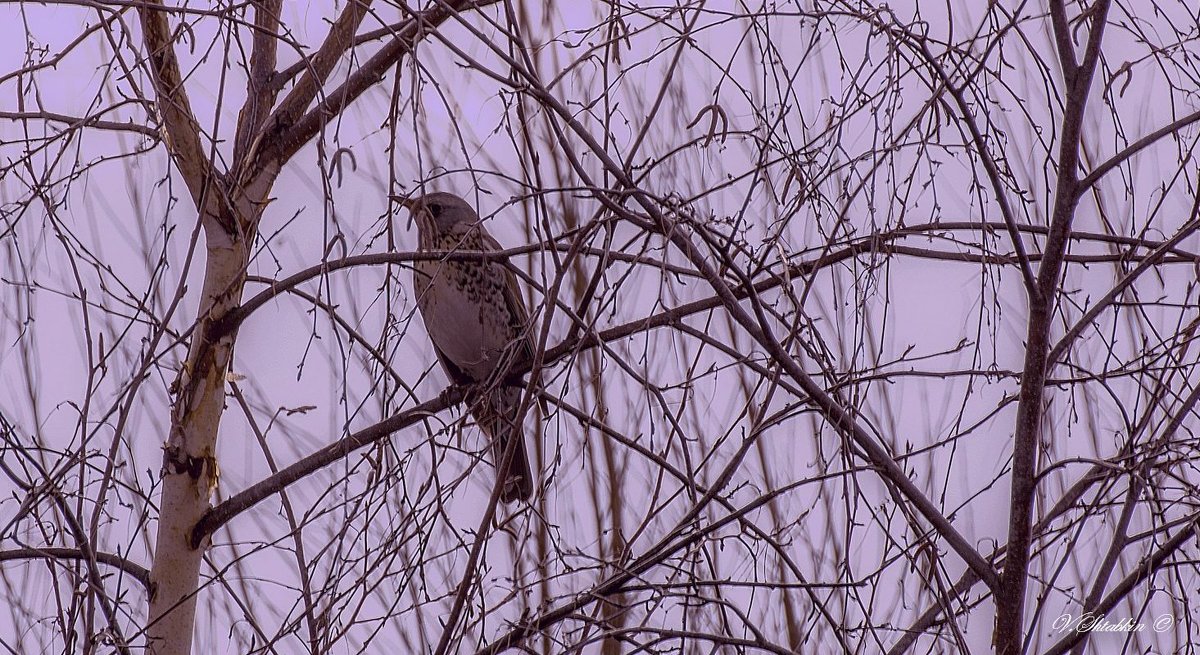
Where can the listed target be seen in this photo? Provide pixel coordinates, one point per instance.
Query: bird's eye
(435, 209)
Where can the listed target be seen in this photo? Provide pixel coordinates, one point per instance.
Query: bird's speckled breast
(463, 305)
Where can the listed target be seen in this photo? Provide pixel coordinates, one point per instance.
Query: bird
(477, 321)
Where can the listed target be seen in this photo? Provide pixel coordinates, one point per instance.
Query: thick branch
(260, 92)
(287, 136)
(1010, 601)
(318, 67)
(138, 572)
(179, 125)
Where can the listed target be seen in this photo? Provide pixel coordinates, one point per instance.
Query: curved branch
(224, 512)
(139, 573)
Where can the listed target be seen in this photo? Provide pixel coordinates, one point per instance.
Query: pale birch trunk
(190, 466)
(190, 471)
(231, 203)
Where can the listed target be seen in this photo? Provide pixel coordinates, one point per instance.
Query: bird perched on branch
(478, 323)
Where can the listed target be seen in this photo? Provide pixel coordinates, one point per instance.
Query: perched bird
(477, 321)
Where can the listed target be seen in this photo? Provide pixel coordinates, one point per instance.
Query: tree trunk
(190, 472)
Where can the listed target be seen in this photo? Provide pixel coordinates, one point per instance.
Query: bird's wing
(512, 297)
(516, 305)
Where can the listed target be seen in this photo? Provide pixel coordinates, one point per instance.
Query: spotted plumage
(477, 321)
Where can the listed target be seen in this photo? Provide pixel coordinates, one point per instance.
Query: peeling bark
(190, 471)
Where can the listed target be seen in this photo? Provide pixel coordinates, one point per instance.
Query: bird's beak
(407, 201)
(410, 204)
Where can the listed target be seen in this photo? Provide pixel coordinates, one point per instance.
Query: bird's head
(439, 211)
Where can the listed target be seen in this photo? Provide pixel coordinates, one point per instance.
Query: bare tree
(857, 327)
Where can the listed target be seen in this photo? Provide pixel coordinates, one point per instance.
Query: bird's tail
(496, 414)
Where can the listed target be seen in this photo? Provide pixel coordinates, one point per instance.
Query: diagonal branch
(221, 514)
(1149, 565)
(260, 93)
(180, 129)
(320, 65)
(287, 134)
(839, 417)
(1134, 148)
